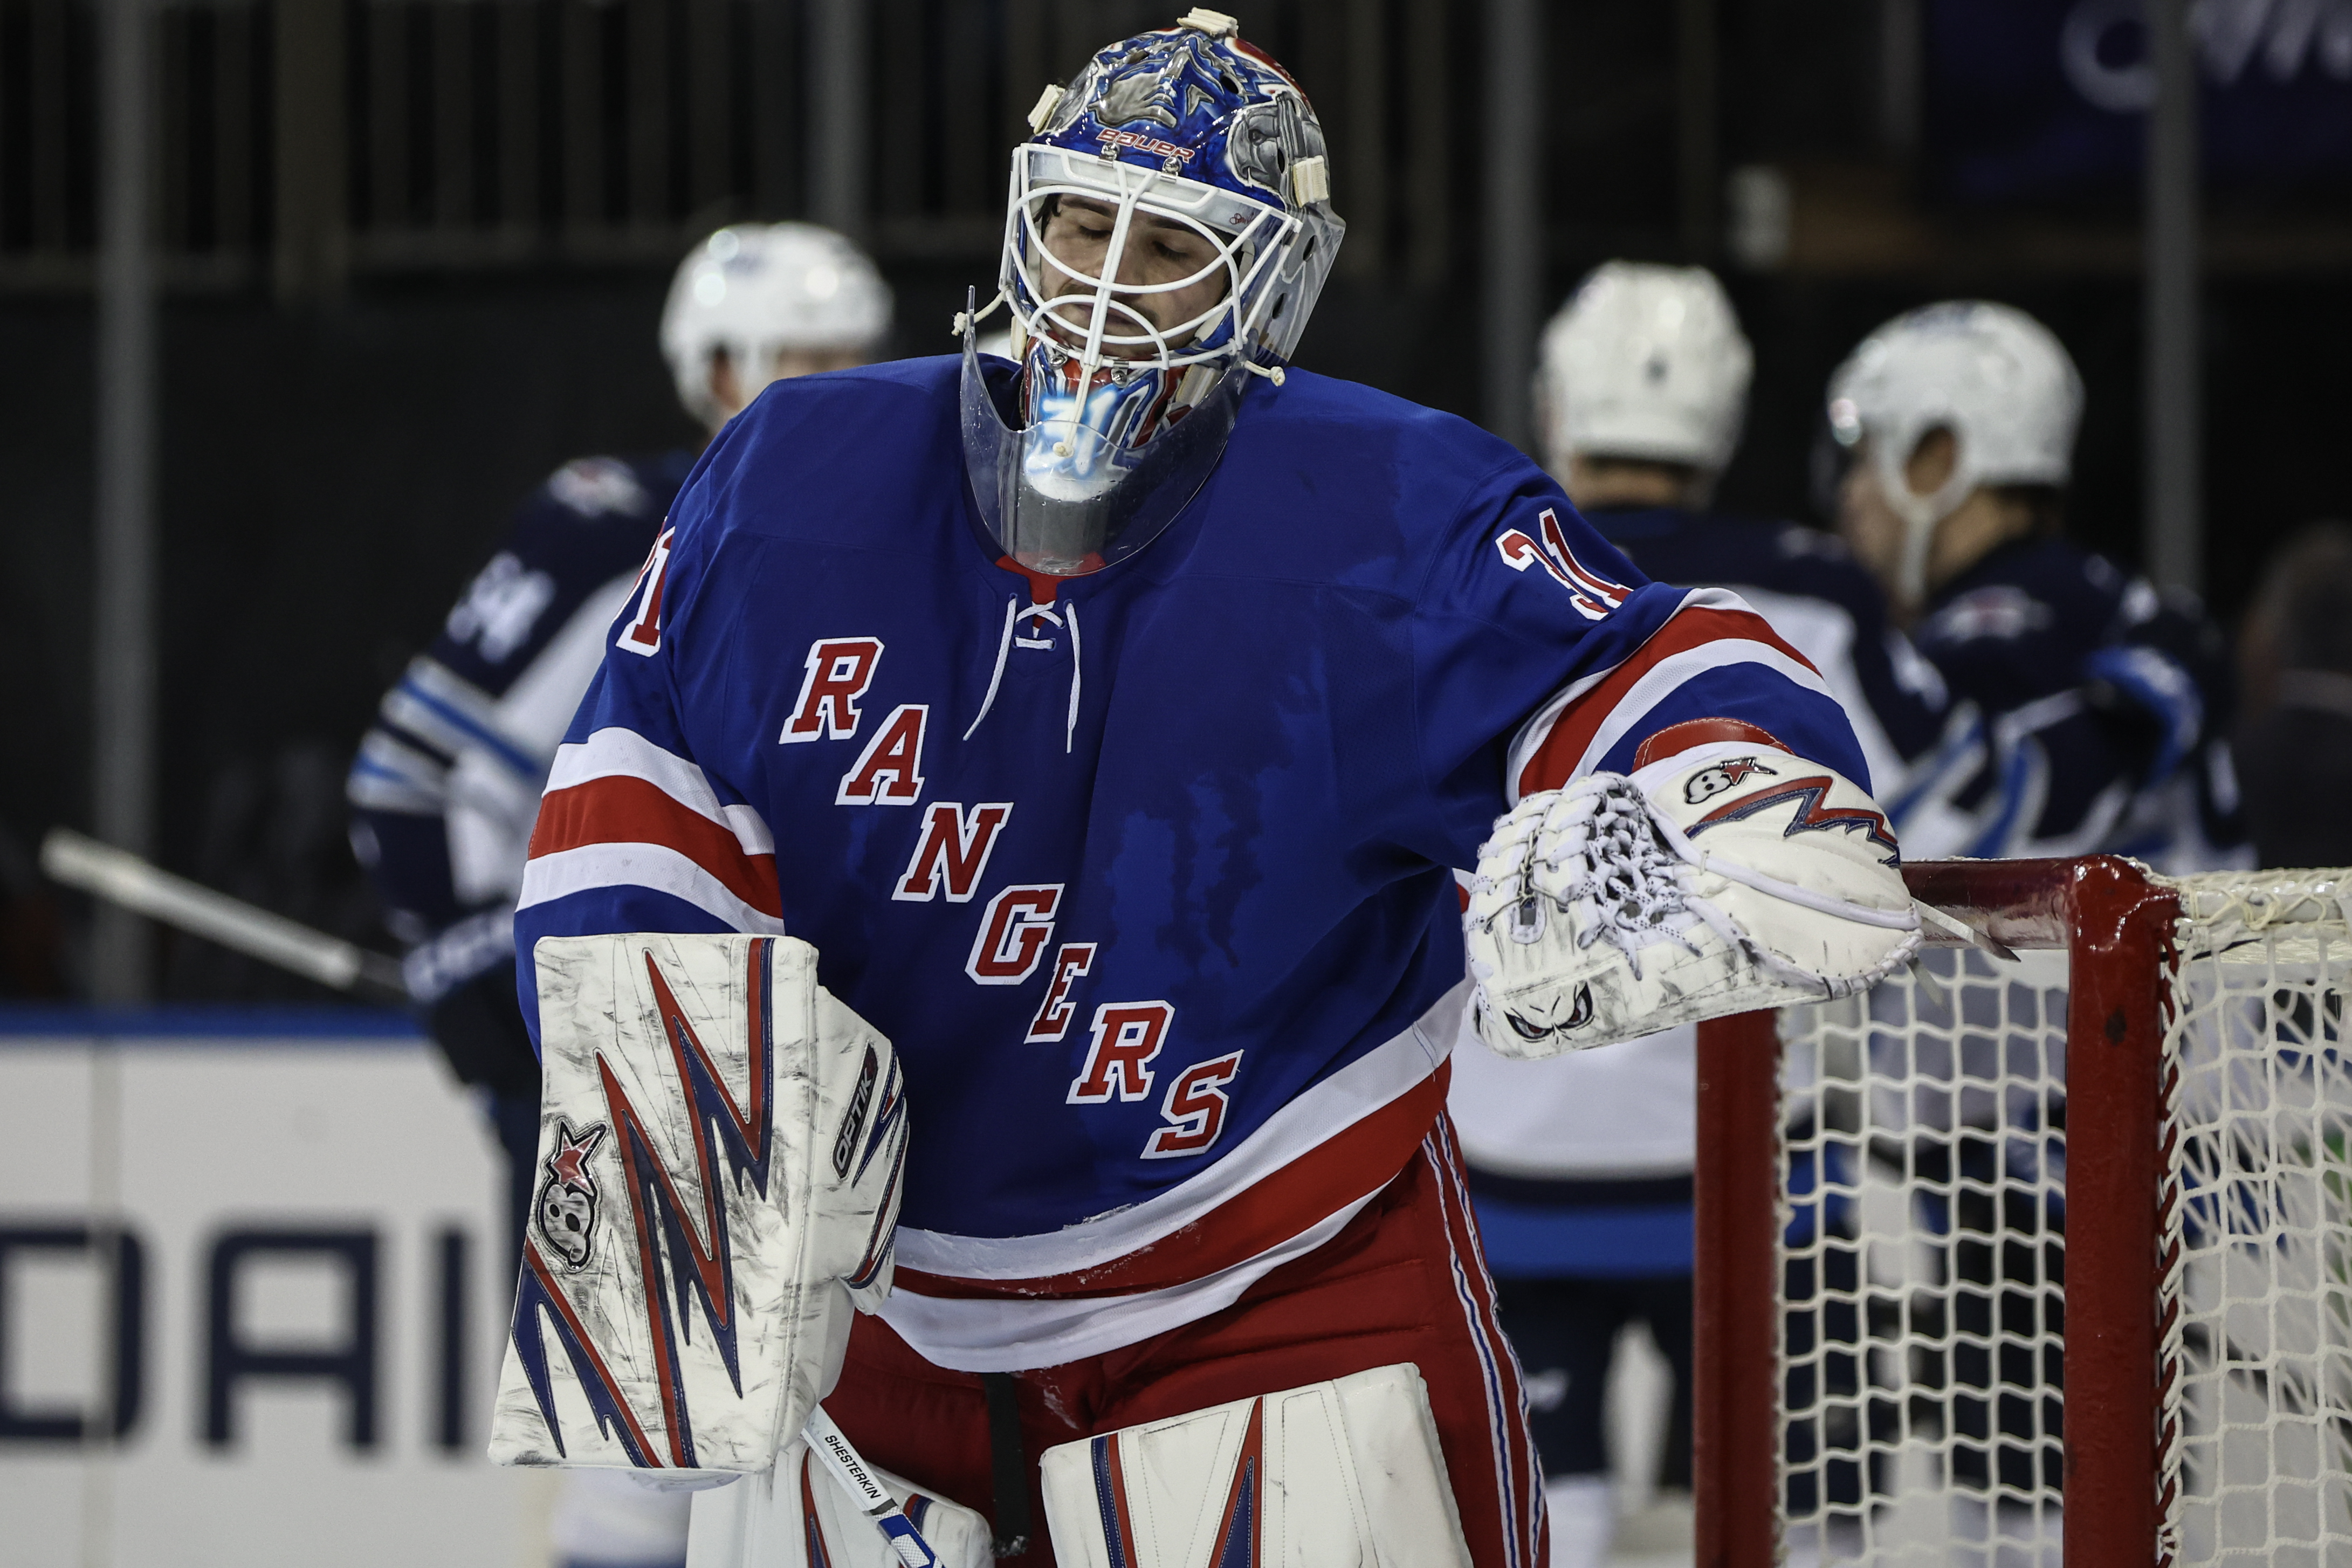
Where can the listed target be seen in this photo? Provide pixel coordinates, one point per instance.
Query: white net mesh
(2260, 1460)
(1923, 1250)
(1923, 1264)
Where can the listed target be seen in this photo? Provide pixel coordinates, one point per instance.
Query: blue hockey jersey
(2090, 713)
(446, 783)
(1147, 873)
(1817, 595)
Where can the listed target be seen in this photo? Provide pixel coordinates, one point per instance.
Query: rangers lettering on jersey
(1013, 932)
(839, 669)
(1195, 1108)
(1242, 790)
(1054, 1013)
(953, 851)
(889, 771)
(1127, 1035)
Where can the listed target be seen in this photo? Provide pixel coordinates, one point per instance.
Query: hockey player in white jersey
(2089, 714)
(1093, 738)
(446, 785)
(2091, 710)
(1580, 1165)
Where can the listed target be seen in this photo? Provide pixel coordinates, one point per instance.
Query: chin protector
(721, 1150)
(1333, 1475)
(1729, 876)
(796, 1514)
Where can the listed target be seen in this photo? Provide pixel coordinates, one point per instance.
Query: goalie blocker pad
(720, 1149)
(796, 1514)
(1725, 877)
(1333, 1475)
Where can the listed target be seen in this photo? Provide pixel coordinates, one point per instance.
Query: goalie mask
(1169, 228)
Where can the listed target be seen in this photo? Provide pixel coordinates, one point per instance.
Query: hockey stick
(871, 1497)
(121, 878)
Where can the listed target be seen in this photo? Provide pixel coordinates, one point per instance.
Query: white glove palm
(1730, 877)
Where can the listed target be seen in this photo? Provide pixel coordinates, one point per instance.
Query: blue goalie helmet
(1168, 229)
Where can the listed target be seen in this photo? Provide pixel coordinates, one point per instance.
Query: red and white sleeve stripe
(1712, 629)
(620, 811)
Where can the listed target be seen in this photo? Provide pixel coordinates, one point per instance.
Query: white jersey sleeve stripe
(655, 867)
(1668, 675)
(616, 753)
(1711, 630)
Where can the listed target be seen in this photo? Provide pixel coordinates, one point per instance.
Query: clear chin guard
(1061, 494)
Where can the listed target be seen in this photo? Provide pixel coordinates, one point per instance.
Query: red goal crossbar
(2117, 926)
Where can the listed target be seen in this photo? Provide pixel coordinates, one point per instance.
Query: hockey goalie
(1096, 735)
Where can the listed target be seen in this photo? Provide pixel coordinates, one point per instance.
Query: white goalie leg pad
(796, 1514)
(1334, 1475)
(1729, 877)
(720, 1149)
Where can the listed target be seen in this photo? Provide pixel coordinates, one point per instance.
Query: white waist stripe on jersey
(1378, 1079)
(1019, 1334)
(1009, 1303)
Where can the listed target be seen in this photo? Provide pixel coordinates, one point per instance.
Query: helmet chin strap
(1919, 513)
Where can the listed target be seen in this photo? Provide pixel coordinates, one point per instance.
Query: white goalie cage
(2019, 1261)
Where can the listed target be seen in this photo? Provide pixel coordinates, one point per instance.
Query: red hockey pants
(1404, 1281)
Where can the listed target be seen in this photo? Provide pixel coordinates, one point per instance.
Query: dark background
(341, 436)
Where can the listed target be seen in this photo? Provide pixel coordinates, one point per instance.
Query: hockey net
(2023, 1258)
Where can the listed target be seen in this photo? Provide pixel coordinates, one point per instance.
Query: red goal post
(2042, 1252)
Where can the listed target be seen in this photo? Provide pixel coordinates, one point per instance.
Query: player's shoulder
(1675, 545)
(889, 402)
(1330, 425)
(595, 516)
(837, 454)
(603, 487)
(1370, 486)
(2109, 600)
(1818, 565)
(2047, 589)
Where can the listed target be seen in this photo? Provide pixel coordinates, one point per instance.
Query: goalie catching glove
(1727, 877)
(721, 1145)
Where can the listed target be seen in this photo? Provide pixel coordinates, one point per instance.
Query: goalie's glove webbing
(1729, 876)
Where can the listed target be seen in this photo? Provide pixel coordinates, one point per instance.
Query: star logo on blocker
(565, 1213)
(569, 1163)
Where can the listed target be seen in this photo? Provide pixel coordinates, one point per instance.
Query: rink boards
(251, 1297)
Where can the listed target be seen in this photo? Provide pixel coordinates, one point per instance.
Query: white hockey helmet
(1991, 375)
(756, 290)
(1648, 362)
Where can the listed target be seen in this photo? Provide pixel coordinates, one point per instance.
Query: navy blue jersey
(1818, 597)
(1147, 873)
(447, 780)
(2089, 715)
